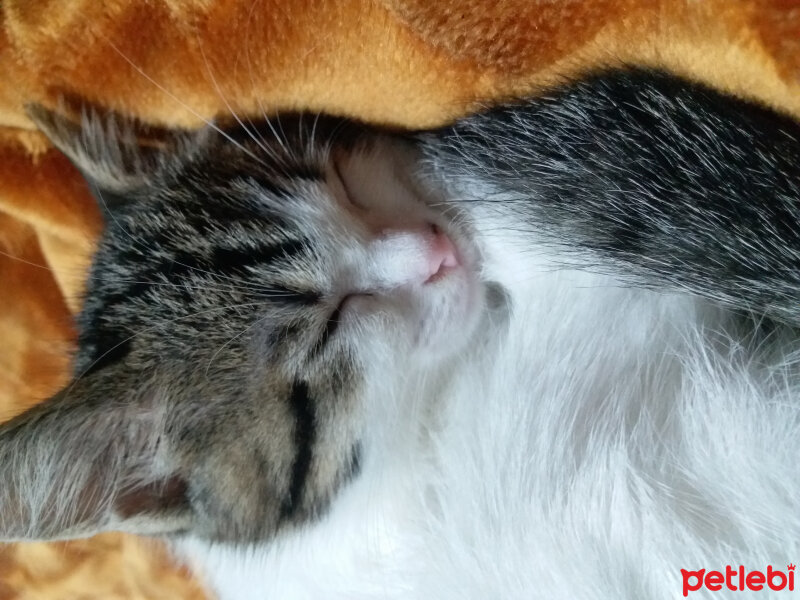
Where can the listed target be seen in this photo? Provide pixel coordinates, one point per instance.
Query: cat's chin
(448, 309)
(423, 322)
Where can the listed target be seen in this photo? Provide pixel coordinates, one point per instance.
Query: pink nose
(418, 254)
(442, 254)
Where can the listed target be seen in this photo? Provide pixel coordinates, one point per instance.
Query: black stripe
(237, 259)
(224, 261)
(176, 267)
(301, 405)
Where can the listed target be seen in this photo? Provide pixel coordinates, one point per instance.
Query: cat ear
(83, 462)
(118, 156)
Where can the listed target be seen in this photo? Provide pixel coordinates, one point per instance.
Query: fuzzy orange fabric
(177, 62)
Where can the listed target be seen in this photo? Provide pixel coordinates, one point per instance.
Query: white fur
(592, 443)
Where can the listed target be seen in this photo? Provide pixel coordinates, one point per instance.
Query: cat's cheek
(377, 325)
(426, 322)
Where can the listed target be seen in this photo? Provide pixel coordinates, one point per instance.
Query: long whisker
(154, 327)
(264, 144)
(264, 292)
(164, 90)
(267, 119)
(238, 335)
(246, 50)
(222, 97)
(27, 262)
(283, 134)
(255, 289)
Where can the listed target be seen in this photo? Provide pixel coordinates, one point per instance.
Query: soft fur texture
(606, 436)
(462, 357)
(409, 63)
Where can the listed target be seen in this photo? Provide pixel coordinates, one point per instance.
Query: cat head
(257, 296)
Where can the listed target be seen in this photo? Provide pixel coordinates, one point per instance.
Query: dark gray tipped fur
(179, 418)
(209, 394)
(662, 180)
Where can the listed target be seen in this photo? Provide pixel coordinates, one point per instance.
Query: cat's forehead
(281, 180)
(295, 145)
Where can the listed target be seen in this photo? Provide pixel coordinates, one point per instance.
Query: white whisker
(172, 96)
(153, 328)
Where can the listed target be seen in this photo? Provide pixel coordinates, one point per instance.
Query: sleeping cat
(546, 352)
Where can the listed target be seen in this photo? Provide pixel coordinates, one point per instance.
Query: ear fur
(80, 464)
(118, 156)
(95, 457)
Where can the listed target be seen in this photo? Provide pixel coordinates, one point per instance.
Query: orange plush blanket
(177, 62)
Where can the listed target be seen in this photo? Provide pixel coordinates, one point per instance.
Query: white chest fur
(604, 439)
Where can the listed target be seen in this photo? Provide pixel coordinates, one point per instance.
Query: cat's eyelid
(329, 329)
(334, 320)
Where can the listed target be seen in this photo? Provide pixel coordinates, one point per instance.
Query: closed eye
(332, 324)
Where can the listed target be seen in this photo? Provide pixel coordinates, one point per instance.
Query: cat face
(253, 295)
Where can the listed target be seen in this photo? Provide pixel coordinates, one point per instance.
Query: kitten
(547, 351)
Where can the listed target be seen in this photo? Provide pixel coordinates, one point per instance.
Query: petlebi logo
(739, 579)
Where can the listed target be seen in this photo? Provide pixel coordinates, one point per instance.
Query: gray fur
(211, 392)
(665, 182)
(196, 392)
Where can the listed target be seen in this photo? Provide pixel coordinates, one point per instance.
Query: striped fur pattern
(220, 377)
(603, 390)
